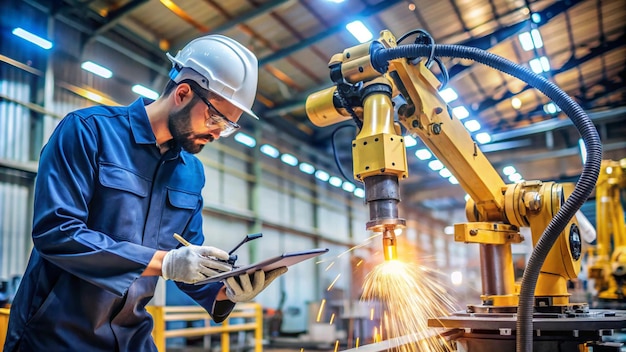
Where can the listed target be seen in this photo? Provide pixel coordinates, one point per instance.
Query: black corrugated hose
(584, 186)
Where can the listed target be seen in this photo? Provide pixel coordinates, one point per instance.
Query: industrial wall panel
(236, 190)
(15, 242)
(15, 119)
(225, 232)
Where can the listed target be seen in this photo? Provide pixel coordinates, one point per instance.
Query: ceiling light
(96, 69)
(508, 170)
(245, 139)
(526, 41)
(536, 17)
(409, 141)
(289, 159)
(453, 180)
(448, 95)
(445, 173)
(359, 31)
(435, 165)
(516, 103)
(35, 39)
(270, 151)
(583, 152)
(551, 108)
(472, 125)
(423, 154)
(307, 168)
(322, 175)
(483, 137)
(146, 92)
(359, 192)
(515, 177)
(537, 41)
(348, 187)
(467, 197)
(460, 112)
(335, 181)
(93, 96)
(539, 65)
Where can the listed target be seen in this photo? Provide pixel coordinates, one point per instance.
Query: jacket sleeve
(64, 187)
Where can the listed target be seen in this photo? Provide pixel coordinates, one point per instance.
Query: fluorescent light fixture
(483, 137)
(435, 165)
(583, 152)
(508, 170)
(423, 154)
(535, 65)
(246, 140)
(516, 103)
(359, 192)
(359, 31)
(535, 17)
(460, 112)
(146, 92)
(453, 180)
(539, 65)
(448, 230)
(289, 159)
(307, 168)
(336, 1)
(322, 175)
(515, 177)
(472, 125)
(537, 41)
(270, 151)
(445, 173)
(526, 41)
(448, 95)
(96, 69)
(551, 108)
(467, 197)
(348, 187)
(409, 141)
(530, 40)
(35, 39)
(335, 181)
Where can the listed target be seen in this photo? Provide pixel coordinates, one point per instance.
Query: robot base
(485, 332)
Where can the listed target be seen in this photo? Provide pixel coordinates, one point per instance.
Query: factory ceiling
(579, 45)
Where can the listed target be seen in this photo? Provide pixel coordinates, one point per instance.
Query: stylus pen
(180, 239)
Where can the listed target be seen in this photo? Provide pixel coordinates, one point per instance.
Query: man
(114, 185)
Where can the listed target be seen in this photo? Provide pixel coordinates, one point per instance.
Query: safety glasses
(216, 118)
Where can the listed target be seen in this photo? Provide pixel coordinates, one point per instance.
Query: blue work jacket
(105, 201)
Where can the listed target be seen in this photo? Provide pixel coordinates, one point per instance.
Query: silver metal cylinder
(496, 269)
(382, 194)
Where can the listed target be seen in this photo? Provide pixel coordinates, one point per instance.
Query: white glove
(190, 264)
(240, 289)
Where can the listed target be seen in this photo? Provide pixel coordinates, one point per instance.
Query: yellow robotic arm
(495, 211)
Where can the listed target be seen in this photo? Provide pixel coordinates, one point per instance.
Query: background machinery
(375, 81)
(608, 267)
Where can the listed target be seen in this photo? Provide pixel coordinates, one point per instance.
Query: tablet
(285, 259)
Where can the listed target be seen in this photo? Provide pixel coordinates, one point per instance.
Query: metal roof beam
(115, 16)
(369, 11)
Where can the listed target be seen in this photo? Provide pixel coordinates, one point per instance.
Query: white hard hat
(221, 65)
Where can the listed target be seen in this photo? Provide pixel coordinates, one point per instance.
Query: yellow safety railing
(4, 324)
(251, 312)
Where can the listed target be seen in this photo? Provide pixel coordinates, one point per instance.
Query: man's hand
(191, 264)
(240, 289)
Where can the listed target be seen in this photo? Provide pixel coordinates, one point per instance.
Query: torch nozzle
(389, 245)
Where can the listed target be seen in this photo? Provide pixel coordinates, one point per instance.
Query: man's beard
(179, 124)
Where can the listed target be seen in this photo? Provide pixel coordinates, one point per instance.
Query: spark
(330, 266)
(319, 312)
(332, 318)
(336, 345)
(333, 283)
(357, 342)
(409, 295)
